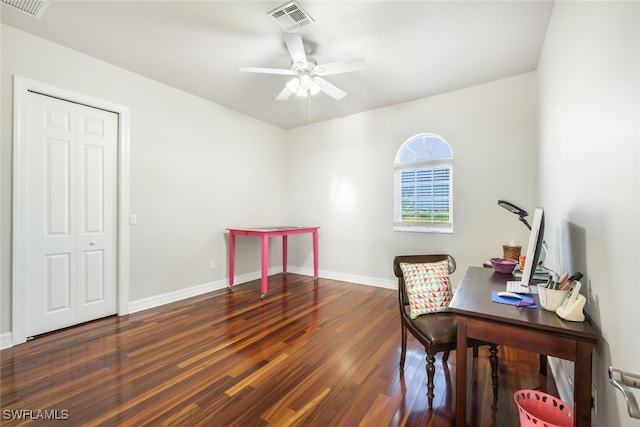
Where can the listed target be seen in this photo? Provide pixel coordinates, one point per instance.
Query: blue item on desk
(512, 301)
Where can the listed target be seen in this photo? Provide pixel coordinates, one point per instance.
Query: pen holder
(551, 299)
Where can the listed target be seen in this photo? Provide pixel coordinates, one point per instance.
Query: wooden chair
(436, 331)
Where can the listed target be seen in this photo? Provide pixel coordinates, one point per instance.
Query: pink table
(264, 233)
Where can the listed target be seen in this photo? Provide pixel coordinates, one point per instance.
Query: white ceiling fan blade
(329, 89)
(296, 48)
(285, 94)
(280, 71)
(354, 64)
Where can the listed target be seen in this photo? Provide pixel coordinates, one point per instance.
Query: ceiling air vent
(31, 7)
(290, 16)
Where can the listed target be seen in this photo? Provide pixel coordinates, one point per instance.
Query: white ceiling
(413, 49)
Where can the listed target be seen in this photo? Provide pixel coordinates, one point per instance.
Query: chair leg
(431, 369)
(445, 356)
(493, 361)
(403, 350)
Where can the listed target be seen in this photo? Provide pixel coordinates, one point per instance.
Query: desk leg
(232, 257)
(582, 384)
(265, 265)
(315, 253)
(461, 373)
(284, 253)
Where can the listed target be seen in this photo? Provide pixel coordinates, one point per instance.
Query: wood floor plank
(313, 353)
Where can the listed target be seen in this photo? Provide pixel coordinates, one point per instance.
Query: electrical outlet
(212, 265)
(594, 399)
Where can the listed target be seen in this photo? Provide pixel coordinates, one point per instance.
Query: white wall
(186, 154)
(589, 77)
(196, 168)
(342, 178)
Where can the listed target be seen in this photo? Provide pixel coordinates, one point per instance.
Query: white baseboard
(158, 300)
(360, 280)
(6, 340)
(193, 291)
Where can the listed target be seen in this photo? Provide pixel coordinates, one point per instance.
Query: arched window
(423, 190)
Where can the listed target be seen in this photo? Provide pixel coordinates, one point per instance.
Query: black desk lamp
(522, 214)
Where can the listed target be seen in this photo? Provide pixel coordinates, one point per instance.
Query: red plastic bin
(542, 410)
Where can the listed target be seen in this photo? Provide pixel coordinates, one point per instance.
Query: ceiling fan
(308, 75)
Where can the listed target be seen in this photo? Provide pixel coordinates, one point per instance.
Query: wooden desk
(534, 330)
(264, 233)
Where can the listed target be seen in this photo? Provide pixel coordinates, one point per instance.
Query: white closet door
(71, 205)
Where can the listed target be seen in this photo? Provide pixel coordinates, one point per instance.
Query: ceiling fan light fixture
(293, 84)
(304, 85)
(314, 88)
(308, 75)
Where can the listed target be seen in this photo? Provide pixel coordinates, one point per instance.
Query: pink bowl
(503, 265)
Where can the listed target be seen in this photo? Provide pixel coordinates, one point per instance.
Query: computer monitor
(534, 247)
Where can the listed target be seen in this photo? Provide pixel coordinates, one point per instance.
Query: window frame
(431, 164)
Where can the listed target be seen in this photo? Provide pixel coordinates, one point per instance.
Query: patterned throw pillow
(428, 287)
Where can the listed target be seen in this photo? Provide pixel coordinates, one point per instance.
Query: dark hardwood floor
(323, 354)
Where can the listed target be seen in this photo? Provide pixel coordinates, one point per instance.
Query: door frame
(21, 88)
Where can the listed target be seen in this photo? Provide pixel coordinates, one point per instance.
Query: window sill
(423, 229)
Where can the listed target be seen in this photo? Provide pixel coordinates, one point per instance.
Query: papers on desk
(510, 301)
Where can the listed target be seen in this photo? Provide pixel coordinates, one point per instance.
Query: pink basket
(542, 410)
(503, 265)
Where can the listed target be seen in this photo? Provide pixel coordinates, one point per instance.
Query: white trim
(6, 340)
(423, 228)
(123, 211)
(21, 87)
(193, 291)
(169, 297)
(351, 278)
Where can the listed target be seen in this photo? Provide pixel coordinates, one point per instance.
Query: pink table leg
(232, 256)
(284, 254)
(315, 253)
(265, 264)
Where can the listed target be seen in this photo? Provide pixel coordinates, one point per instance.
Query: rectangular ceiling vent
(290, 16)
(31, 7)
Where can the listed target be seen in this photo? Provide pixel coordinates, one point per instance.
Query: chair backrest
(416, 259)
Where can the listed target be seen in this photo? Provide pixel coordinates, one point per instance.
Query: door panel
(93, 189)
(57, 190)
(50, 210)
(97, 144)
(57, 169)
(93, 280)
(70, 204)
(58, 283)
